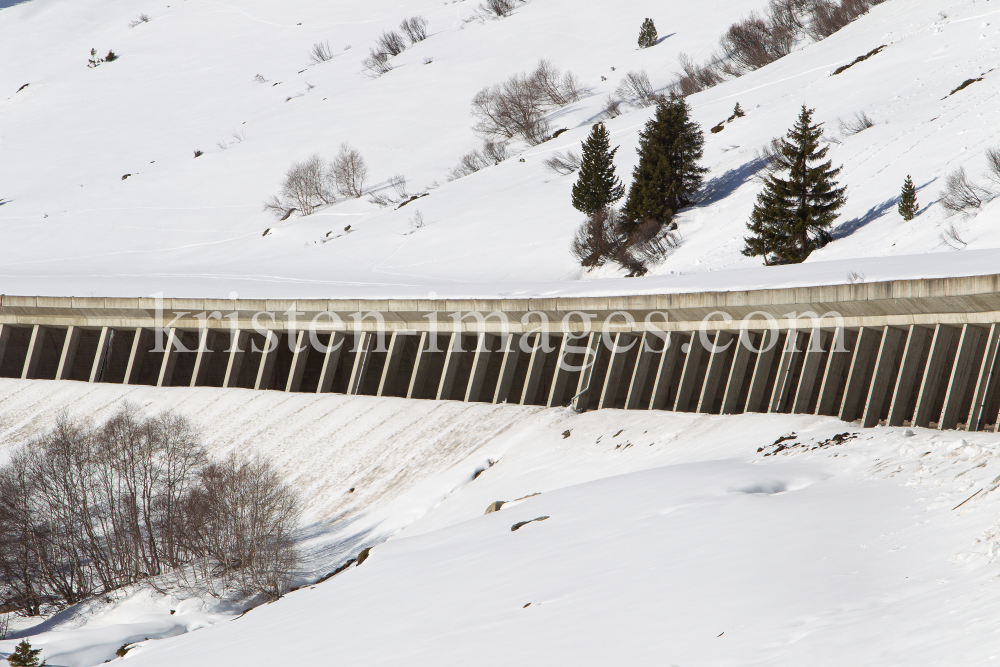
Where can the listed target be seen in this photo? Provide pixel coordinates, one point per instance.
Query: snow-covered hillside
(185, 81)
(671, 538)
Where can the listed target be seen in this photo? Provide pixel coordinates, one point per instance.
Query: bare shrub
(305, 188)
(492, 153)
(993, 164)
(829, 16)
(649, 244)
(376, 64)
(961, 194)
(635, 88)
(398, 183)
(612, 107)
(390, 42)
(320, 52)
(554, 88)
(349, 171)
(598, 239)
(562, 163)
(498, 8)
(139, 20)
(951, 237)
(859, 123)
(510, 110)
(415, 28)
(753, 42)
(769, 159)
(696, 78)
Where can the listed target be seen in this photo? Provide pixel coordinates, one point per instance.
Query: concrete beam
(169, 359)
(861, 361)
(719, 355)
(299, 356)
(140, 343)
(206, 345)
(238, 341)
(782, 393)
(452, 360)
(331, 359)
(421, 367)
(510, 351)
(5, 330)
(666, 369)
(833, 373)
(933, 372)
(818, 341)
(560, 377)
(689, 373)
(584, 391)
(958, 383)
(535, 365)
(68, 354)
(643, 362)
(34, 353)
(882, 376)
(268, 355)
(909, 366)
(392, 356)
(619, 350)
(101, 355)
(362, 353)
(762, 371)
(986, 380)
(737, 373)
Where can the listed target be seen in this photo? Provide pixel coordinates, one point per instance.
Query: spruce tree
(668, 173)
(791, 216)
(908, 200)
(647, 34)
(597, 186)
(25, 656)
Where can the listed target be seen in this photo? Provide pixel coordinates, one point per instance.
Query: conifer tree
(597, 185)
(668, 173)
(908, 200)
(791, 216)
(647, 34)
(25, 656)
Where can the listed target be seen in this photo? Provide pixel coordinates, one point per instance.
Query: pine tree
(597, 186)
(25, 656)
(668, 173)
(647, 34)
(792, 215)
(908, 200)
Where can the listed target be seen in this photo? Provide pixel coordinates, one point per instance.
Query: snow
(194, 227)
(670, 540)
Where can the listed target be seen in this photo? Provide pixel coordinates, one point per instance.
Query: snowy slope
(671, 539)
(185, 81)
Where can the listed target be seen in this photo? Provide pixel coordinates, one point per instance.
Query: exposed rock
(525, 523)
(495, 506)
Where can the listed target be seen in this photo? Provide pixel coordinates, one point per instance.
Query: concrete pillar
(665, 370)
(762, 371)
(140, 343)
(206, 344)
(265, 371)
(584, 392)
(331, 358)
(719, 353)
(535, 365)
(392, 356)
(818, 340)
(34, 352)
(862, 360)
(298, 367)
(958, 383)
(169, 359)
(421, 367)
(452, 360)
(737, 373)
(238, 341)
(68, 354)
(363, 349)
(832, 374)
(103, 347)
(561, 375)
(908, 369)
(643, 362)
(881, 376)
(5, 330)
(782, 393)
(689, 373)
(510, 351)
(985, 380)
(612, 378)
(933, 372)
(480, 362)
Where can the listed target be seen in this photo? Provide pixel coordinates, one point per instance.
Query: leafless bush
(320, 52)
(390, 42)
(499, 8)
(492, 153)
(612, 107)
(859, 123)
(306, 187)
(598, 239)
(87, 509)
(649, 244)
(554, 88)
(829, 16)
(696, 78)
(993, 164)
(635, 88)
(415, 28)
(754, 42)
(398, 183)
(139, 20)
(769, 159)
(349, 171)
(376, 64)
(961, 194)
(951, 238)
(562, 164)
